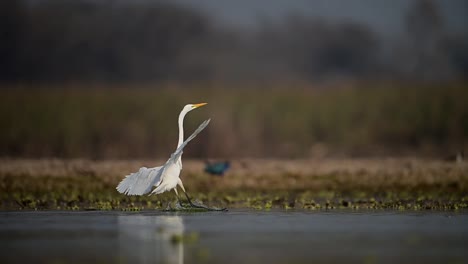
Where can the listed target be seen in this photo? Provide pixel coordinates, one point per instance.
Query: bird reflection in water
(149, 239)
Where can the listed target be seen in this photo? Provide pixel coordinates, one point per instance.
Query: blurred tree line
(117, 46)
(54, 40)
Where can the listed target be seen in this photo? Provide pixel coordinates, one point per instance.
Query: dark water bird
(217, 168)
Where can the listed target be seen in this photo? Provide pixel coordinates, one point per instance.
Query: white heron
(165, 177)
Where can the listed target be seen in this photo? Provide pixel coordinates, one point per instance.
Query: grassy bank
(260, 184)
(283, 121)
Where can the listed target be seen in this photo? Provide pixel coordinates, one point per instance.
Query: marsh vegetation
(320, 148)
(302, 121)
(401, 184)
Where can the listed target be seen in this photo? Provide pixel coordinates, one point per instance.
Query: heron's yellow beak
(199, 105)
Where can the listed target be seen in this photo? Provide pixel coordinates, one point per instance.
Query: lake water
(234, 237)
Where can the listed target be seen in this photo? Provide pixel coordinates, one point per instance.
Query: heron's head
(190, 107)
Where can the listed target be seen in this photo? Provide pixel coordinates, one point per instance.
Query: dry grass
(263, 174)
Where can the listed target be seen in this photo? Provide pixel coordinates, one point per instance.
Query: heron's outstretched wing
(175, 156)
(179, 150)
(141, 182)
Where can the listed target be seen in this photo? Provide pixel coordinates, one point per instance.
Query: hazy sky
(385, 16)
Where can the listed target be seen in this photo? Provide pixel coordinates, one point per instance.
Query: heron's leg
(177, 195)
(197, 206)
(186, 195)
(178, 198)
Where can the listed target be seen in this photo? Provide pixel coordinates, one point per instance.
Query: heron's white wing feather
(179, 150)
(141, 182)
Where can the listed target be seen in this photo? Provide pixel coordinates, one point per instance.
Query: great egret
(165, 177)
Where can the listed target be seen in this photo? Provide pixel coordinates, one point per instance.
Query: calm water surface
(234, 237)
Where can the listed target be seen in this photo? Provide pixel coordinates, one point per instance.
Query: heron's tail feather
(140, 182)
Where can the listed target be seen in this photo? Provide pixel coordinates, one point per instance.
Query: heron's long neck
(181, 128)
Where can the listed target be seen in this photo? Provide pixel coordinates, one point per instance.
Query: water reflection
(149, 239)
